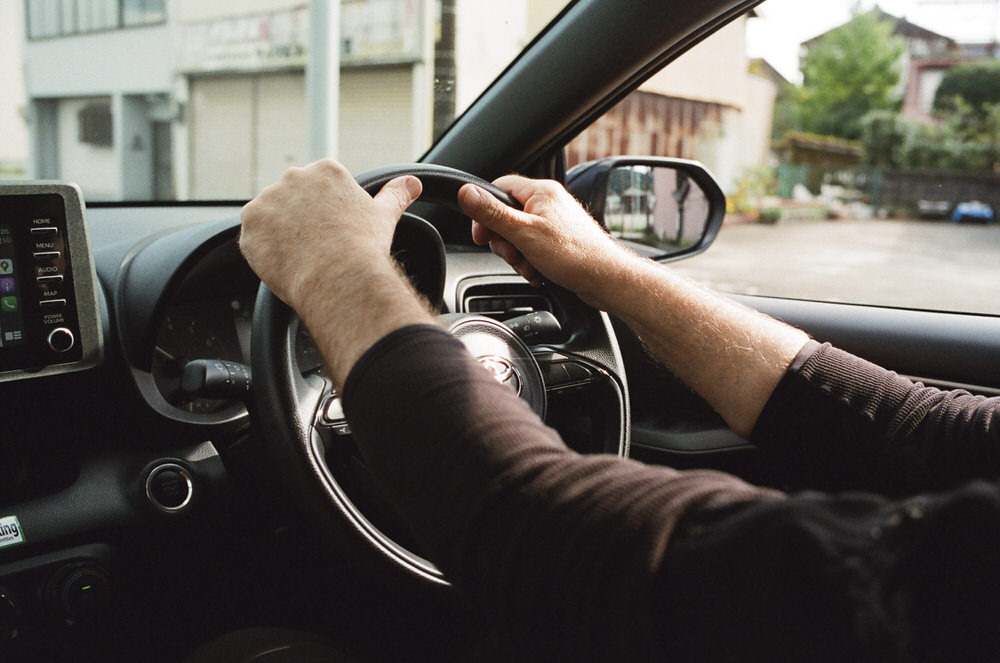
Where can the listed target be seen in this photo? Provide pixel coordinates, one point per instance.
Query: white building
(195, 99)
(13, 103)
(99, 76)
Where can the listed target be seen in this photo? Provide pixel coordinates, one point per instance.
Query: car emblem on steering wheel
(502, 371)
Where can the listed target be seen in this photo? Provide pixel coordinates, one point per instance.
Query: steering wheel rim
(287, 408)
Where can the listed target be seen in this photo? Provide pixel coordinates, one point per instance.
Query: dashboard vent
(502, 302)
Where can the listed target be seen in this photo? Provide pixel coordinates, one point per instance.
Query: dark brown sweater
(576, 557)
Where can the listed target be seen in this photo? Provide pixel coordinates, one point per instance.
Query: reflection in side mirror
(656, 206)
(664, 208)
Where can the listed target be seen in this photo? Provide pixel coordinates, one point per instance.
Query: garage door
(378, 116)
(245, 131)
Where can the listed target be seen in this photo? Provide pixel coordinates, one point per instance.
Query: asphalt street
(933, 265)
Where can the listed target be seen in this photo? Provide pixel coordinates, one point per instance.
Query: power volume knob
(61, 339)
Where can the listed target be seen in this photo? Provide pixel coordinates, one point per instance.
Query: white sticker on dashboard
(11, 533)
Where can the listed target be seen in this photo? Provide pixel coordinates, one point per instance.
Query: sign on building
(372, 32)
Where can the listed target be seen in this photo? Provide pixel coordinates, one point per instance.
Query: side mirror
(664, 208)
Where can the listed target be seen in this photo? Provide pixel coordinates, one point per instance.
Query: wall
(488, 35)
(94, 168)
(13, 122)
(650, 124)
(758, 120)
(714, 71)
(132, 61)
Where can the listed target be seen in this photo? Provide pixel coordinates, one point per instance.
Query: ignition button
(169, 487)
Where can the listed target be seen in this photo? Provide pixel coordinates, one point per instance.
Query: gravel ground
(931, 265)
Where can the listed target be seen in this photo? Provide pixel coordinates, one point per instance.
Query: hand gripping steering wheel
(288, 408)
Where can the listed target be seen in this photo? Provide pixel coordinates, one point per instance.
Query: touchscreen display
(11, 317)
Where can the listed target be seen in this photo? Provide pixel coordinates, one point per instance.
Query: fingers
(490, 212)
(513, 257)
(482, 235)
(398, 194)
(518, 186)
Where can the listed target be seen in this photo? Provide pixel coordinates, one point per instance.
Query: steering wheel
(290, 411)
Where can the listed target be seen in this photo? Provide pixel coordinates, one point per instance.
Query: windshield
(214, 99)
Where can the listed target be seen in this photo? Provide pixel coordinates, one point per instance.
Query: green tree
(851, 71)
(970, 89)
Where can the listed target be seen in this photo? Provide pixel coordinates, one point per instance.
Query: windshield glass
(214, 99)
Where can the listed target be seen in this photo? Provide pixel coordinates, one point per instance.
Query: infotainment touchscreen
(49, 320)
(11, 318)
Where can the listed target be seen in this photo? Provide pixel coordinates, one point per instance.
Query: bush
(977, 83)
(770, 216)
(884, 135)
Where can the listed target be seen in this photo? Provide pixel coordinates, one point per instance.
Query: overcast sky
(784, 24)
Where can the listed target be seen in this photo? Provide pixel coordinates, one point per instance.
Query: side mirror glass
(663, 208)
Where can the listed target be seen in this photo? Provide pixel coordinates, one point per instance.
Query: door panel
(947, 347)
(673, 426)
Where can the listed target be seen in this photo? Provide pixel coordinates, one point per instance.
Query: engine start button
(170, 487)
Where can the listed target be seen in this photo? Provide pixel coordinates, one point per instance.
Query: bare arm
(732, 356)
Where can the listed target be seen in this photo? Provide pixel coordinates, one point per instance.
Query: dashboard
(160, 500)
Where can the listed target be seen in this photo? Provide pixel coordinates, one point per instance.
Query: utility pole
(323, 79)
(444, 69)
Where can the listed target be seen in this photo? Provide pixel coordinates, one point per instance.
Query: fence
(893, 189)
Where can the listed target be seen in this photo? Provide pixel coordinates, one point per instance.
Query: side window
(862, 167)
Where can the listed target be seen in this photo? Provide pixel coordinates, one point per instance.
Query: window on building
(143, 12)
(67, 16)
(95, 125)
(96, 15)
(53, 18)
(43, 18)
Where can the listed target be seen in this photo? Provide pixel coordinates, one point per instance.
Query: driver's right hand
(553, 238)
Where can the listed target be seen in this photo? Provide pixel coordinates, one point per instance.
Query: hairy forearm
(350, 313)
(731, 355)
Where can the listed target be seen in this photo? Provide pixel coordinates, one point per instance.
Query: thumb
(398, 194)
(486, 210)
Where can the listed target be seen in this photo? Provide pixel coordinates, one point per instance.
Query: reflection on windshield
(148, 99)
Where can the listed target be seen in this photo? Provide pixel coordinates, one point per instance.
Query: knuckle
(330, 166)
(292, 174)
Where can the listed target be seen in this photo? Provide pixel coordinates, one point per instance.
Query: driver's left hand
(317, 216)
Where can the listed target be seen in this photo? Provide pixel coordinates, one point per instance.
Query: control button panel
(49, 317)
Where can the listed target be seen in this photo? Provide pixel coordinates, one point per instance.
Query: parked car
(973, 210)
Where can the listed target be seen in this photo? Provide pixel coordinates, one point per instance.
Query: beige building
(706, 105)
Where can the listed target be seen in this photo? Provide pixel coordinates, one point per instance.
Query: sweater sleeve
(559, 549)
(836, 421)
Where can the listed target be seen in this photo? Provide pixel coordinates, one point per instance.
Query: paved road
(914, 264)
